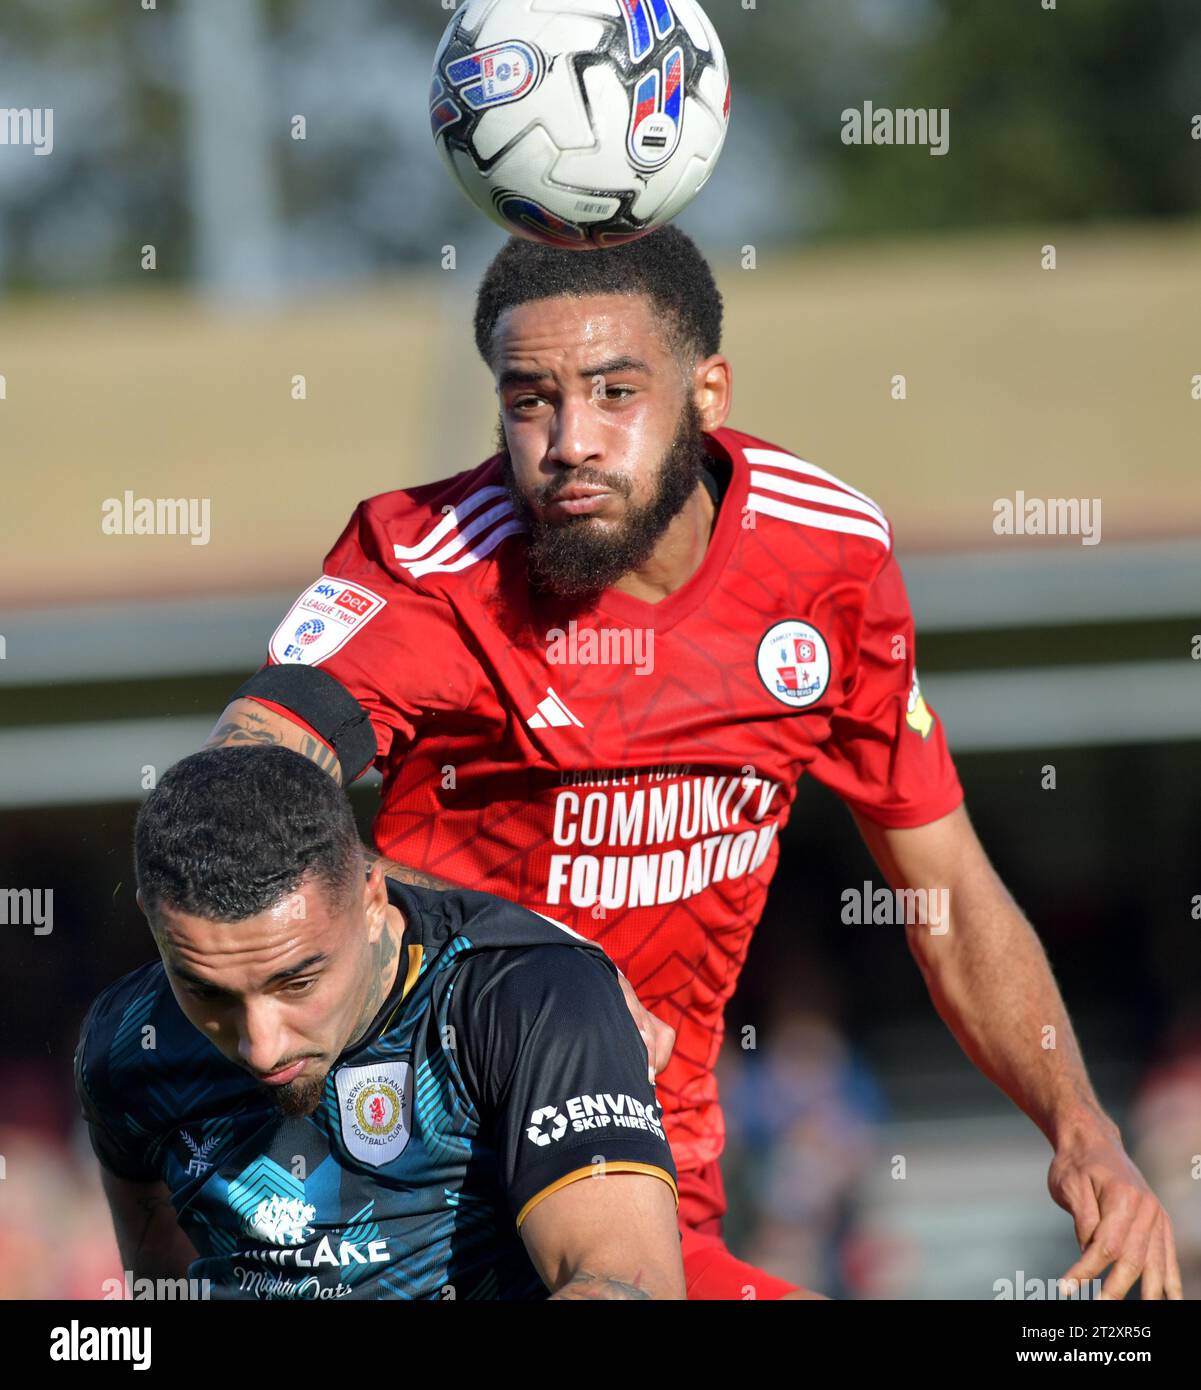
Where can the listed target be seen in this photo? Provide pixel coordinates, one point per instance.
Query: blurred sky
(1080, 113)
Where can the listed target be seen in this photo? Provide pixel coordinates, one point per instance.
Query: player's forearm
(609, 1237)
(148, 1233)
(991, 983)
(247, 721)
(584, 1285)
(402, 873)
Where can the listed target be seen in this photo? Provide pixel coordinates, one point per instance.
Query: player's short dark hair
(229, 831)
(665, 266)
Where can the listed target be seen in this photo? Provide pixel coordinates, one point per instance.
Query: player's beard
(580, 557)
(300, 1097)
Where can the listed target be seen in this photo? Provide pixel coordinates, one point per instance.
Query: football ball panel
(581, 122)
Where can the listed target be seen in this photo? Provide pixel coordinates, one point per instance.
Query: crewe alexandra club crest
(794, 663)
(375, 1103)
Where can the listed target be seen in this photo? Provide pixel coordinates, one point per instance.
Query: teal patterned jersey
(503, 1065)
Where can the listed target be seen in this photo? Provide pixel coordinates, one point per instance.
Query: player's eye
(618, 393)
(300, 986)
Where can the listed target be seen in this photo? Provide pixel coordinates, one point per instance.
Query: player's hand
(1119, 1220)
(658, 1036)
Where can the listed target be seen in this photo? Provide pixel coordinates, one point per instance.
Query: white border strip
(975, 591)
(1041, 708)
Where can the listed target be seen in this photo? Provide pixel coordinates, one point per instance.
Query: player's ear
(141, 902)
(375, 898)
(713, 391)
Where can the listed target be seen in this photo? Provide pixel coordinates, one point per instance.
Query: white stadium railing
(1016, 708)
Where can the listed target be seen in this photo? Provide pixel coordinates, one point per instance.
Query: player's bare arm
(991, 983)
(148, 1235)
(586, 1287)
(246, 721)
(609, 1238)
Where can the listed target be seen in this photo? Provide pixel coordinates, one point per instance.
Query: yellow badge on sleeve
(917, 713)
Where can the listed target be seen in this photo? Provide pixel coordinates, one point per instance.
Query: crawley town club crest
(375, 1103)
(794, 663)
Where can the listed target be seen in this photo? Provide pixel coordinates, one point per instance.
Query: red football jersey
(627, 769)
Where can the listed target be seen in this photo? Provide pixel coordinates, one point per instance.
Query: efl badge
(917, 713)
(324, 617)
(794, 663)
(497, 75)
(375, 1103)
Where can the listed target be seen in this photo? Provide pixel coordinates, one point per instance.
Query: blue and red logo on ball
(493, 76)
(538, 222)
(658, 113)
(639, 16)
(308, 632)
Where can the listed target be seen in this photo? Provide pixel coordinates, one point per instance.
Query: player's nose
(262, 1039)
(574, 434)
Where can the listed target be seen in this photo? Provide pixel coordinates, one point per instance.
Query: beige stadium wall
(1075, 382)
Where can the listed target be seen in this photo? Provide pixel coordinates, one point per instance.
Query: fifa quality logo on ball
(576, 126)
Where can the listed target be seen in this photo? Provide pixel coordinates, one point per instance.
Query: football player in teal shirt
(335, 1085)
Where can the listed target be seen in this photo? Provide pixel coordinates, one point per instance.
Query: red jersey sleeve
(394, 646)
(887, 754)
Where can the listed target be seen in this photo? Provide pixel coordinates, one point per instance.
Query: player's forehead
(571, 333)
(299, 930)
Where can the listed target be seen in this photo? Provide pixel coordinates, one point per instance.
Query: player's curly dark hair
(665, 266)
(229, 831)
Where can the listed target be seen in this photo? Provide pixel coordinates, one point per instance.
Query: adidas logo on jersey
(552, 713)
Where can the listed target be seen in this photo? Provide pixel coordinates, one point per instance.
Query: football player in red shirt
(592, 671)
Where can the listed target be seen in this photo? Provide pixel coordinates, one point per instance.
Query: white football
(582, 123)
